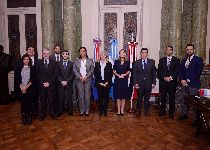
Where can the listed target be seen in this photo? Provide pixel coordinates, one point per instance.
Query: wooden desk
(202, 112)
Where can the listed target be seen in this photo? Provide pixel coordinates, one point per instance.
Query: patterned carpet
(95, 133)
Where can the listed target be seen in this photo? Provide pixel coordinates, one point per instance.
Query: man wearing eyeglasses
(190, 72)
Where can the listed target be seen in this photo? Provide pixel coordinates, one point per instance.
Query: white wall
(208, 34)
(151, 27)
(90, 25)
(2, 40)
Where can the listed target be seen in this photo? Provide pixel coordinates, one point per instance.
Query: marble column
(58, 22)
(187, 23)
(164, 27)
(175, 26)
(48, 24)
(199, 26)
(69, 29)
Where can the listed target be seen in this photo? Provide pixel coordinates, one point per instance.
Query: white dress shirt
(32, 58)
(83, 71)
(103, 65)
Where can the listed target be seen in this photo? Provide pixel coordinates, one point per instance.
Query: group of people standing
(44, 85)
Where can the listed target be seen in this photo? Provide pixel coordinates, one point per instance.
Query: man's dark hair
(65, 51)
(144, 49)
(170, 47)
(190, 45)
(57, 45)
(1, 48)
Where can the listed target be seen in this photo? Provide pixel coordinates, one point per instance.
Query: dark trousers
(65, 94)
(46, 100)
(26, 104)
(143, 93)
(170, 90)
(103, 99)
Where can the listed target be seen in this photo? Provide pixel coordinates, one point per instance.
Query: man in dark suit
(190, 72)
(5, 68)
(168, 71)
(65, 87)
(47, 73)
(56, 57)
(144, 79)
(57, 53)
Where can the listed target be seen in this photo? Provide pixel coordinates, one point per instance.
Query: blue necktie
(145, 65)
(64, 65)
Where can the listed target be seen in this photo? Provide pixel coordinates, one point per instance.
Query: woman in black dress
(121, 71)
(103, 80)
(25, 87)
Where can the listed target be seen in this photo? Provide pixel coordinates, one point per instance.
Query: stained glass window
(130, 27)
(120, 2)
(110, 29)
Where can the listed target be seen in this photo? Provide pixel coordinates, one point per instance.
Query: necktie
(145, 65)
(168, 62)
(64, 65)
(189, 59)
(57, 58)
(45, 63)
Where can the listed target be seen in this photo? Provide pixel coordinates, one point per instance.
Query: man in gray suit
(144, 79)
(83, 71)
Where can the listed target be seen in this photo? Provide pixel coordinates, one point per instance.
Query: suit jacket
(193, 72)
(89, 69)
(48, 74)
(164, 71)
(108, 73)
(140, 76)
(53, 57)
(65, 74)
(18, 80)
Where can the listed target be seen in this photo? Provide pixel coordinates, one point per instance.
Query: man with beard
(57, 53)
(190, 72)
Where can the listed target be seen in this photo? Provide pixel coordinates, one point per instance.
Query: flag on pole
(113, 55)
(97, 43)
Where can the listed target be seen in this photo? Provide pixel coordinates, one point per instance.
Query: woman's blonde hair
(105, 53)
(120, 52)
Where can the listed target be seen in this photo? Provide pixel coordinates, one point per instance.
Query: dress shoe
(171, 115)
(147, 114)
(53, 116)
(41, 118)
(86, 115)
(80, 115)
(122, 114)
(137, 114)
(24, 119)
(29, 120)
(162, 113)
(70, 113)
(119, 114)
(182, 117)
(59, 114)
